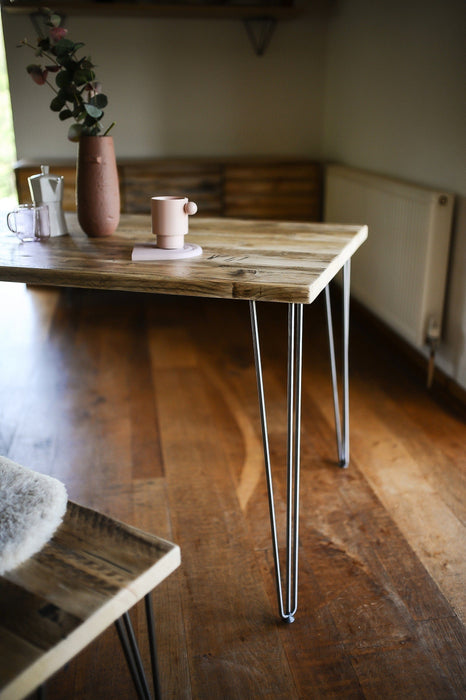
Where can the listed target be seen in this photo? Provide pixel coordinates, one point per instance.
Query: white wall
(395, 103)
(183, 87)
(395, 99)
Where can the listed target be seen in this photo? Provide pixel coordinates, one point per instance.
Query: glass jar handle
(11, 213)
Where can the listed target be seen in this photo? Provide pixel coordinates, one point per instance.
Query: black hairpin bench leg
(132, 653)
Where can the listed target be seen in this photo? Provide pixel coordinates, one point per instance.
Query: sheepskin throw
(32, 506)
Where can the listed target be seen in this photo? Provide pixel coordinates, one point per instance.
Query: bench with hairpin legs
(87, 577)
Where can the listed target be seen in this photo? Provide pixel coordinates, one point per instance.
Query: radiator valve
(433, 340)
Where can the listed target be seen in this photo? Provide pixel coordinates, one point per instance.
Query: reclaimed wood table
(268, 261)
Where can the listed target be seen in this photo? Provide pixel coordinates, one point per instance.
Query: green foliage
(78, 95)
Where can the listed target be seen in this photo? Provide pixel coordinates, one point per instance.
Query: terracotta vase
(97, 189)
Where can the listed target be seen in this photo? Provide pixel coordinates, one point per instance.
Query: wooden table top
(262, 260)
(92, 571)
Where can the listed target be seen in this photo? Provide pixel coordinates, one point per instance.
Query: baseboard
(442, 384)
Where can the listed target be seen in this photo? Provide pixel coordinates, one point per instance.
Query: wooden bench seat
(87, 577)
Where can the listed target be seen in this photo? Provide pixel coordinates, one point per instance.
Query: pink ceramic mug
(170, 220)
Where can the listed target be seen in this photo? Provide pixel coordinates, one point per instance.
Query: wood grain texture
(380, 599)
(203, 182)
(264, 260)
(274, 191)
(92, 571)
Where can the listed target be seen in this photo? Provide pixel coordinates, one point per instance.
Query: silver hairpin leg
(294, 382)
(342, 432)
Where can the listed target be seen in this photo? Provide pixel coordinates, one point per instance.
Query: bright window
(7, 139)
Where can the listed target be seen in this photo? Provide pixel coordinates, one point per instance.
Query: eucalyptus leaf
(70, 92)
(65, 114)
(93, 111)
(55, 20)
(58, 103)
(64, 45)
(81, 77)
(63, 78)
(99, 100)
(67, 62)
(88, 123)
(92, 130)
(78, 112)
(74, 132)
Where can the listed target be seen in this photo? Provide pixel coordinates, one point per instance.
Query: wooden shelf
(259, 20)
(145, 9)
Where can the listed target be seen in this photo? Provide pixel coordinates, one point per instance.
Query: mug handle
(190, 208)
(11, 213)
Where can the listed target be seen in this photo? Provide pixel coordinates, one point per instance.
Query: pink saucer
(149, 251)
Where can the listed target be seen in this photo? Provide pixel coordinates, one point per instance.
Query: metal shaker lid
(45, 187)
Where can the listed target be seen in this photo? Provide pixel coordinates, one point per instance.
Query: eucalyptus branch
(78, 95)
(107, 130)
(39, 52)
(52, 87)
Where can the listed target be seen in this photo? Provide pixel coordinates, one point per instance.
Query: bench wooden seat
(87, 577)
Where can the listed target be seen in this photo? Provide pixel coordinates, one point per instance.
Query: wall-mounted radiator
(400, 272)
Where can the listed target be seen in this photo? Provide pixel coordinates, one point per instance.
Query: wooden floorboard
(146, 408)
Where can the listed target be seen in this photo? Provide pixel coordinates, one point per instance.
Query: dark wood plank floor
(146, 408)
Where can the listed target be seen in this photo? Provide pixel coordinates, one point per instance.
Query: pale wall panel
(184, 87)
